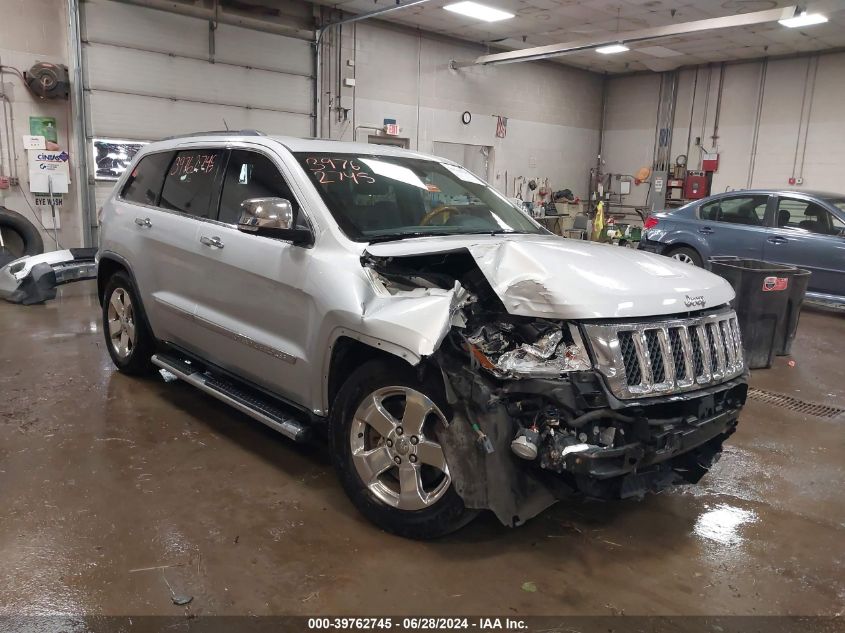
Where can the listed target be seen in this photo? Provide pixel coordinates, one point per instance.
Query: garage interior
(146, 497)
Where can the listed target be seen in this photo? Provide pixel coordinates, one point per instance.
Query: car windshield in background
(839, 203)
(380, 198)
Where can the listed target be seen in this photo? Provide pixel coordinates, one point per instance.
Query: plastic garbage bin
(768, 304)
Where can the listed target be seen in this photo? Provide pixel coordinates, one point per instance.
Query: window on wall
(190, 183)
(809, 216)
(144, 183)
(748, 210)
(253, 175)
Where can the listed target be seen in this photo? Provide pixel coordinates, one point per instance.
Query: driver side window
(253, 175)
(809, 216)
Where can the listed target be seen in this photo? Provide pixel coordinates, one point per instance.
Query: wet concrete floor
(116, 493)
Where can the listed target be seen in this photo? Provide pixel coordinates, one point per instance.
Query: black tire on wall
(26, 240)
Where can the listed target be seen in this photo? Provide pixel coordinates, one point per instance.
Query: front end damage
(536, 412)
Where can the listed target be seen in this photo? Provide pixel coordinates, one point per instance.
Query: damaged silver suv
(457, 356)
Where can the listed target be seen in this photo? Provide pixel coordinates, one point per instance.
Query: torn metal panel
(552, 277)
(417, 319)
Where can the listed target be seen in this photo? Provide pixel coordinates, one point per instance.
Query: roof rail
(218, 133)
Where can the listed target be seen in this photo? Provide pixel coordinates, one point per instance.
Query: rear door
(253, 316)
(808, 235)
(172, 263)
(735, 224)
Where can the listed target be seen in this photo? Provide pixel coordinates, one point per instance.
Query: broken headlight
(534, 350)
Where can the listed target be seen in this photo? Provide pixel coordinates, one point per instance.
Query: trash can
(768, 304)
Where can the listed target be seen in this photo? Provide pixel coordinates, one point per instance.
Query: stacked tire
(20, 237)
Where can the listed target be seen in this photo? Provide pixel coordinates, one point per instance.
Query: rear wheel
(385, 450)
(128, 337)
(686, 255)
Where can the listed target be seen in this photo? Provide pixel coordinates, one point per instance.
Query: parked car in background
(799, 228)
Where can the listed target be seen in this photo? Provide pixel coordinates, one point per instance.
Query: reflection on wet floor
(722, 524)
(120, 494)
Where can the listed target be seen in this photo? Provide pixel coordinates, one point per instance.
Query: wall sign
(466, 117)
(112, 156)
(44, 126)
(48, 170)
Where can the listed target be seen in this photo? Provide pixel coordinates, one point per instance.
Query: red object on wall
(695, 186)
(710, 161)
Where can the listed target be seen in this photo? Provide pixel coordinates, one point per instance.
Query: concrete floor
(116, 492)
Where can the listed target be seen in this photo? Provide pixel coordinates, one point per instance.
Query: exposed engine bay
(533, 420)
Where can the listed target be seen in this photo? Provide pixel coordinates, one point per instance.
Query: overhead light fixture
(803, 19)
(613, 48)
(478, 11)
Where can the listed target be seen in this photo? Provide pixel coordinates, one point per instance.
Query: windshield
(839, 203)
(381, 198)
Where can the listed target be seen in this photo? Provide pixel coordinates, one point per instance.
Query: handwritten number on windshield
(331, 170)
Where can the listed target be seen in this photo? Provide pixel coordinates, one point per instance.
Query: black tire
(444, 515)
(136, 362)
(686, 251)
(26, 240)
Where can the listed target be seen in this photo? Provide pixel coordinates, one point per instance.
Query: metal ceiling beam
(629, 37)
(297, 29)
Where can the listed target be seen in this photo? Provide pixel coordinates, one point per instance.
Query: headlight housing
(504, 350)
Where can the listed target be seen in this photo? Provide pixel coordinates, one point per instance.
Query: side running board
(259, 407)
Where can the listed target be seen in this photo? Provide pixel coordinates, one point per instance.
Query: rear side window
(144, 183)
(749, 210)
(190, 183)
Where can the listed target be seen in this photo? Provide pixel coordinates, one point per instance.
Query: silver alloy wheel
(683, 258)
(121, 323)
(396, 460)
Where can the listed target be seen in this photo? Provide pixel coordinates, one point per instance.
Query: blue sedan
(804, 229)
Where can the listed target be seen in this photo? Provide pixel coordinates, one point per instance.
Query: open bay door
(150, 73)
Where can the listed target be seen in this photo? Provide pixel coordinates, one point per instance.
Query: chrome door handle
(143, 222)
(775, 239)
(706, 230)
(212, 241)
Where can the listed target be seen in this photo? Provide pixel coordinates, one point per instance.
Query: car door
(164, 215)
(808, 235)
(735, 224)
(253, 315)
(188, 198)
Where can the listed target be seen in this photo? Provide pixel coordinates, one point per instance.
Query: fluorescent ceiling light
(478, 11)
(613, 48)
(804, 19)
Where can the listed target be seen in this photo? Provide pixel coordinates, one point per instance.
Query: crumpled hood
(554, 277)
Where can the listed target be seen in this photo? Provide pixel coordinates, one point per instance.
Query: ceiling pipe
(629, 37)
(318, 63)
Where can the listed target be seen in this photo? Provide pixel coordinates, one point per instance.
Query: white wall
(796, 105)
(630, 120)
(32, 31)
(553, 112)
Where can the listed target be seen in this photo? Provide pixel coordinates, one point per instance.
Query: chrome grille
(677, 355)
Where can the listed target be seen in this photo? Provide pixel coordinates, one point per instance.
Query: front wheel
(385, 450)
(128, 337)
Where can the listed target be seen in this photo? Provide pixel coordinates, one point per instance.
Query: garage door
(148, 74)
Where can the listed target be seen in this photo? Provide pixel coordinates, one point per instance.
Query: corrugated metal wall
(148, 75)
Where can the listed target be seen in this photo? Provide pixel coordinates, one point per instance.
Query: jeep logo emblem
(694, 301)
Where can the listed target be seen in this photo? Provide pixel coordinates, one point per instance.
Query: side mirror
(272, 217)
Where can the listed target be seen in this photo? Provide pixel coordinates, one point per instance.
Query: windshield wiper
(402, 236)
